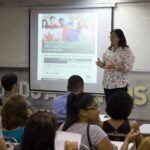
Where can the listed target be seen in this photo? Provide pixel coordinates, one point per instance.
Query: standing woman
(117, 62)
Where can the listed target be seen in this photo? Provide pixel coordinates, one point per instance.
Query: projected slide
(67, 45)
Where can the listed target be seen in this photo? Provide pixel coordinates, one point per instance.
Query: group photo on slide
(67, 45)
(68, 32)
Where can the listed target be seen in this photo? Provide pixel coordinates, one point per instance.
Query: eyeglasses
(93, 108)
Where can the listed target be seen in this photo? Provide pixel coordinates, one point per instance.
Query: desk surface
(145, 129)
(104, 117)
(118, 145)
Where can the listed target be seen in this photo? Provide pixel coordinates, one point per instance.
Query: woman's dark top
(119, 133)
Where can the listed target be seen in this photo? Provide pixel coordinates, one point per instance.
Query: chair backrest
(17, 147)
(11, 142)
(10, 139)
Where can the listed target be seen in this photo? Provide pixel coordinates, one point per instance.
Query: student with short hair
(10, 84)
(119, 107)
(14, 116)
(76, 86)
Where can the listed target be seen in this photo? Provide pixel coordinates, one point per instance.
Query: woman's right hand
(132, 135)
(99, 63)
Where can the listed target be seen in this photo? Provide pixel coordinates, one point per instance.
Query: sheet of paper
(145, 129)
(118, 145)
(61, 137)
(104, 117)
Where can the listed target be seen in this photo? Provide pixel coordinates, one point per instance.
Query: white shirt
(117, 79)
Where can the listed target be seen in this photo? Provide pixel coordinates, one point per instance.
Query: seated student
(2, 142)
(14, 116)
(145, 144)
(81, 111)
(119, 107)
(39, 133)
(10, 84)
(76, 86)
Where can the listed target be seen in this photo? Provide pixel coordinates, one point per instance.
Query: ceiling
(5, 3)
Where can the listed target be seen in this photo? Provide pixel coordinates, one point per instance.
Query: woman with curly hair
(119, 107)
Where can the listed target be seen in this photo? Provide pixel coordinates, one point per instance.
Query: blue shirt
(17, 133)
(59, 107)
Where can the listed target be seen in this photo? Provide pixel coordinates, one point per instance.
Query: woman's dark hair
(44, 20)
(74, 104)
(14, 112)
(40, 131)
(121, 36)
(119, 105)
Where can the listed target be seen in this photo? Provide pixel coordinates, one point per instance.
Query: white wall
(134, 20)
(14, 37)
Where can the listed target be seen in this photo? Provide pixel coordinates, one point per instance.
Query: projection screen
(65, 43)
